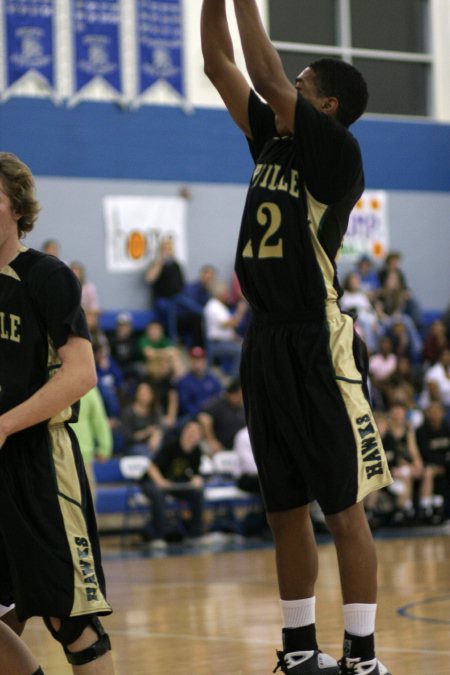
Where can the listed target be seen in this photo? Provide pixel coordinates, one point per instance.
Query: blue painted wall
(82, 154)
(96, 140)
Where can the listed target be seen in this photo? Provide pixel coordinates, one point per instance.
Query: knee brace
(70, 630)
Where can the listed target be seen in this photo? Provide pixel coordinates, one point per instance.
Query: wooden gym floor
(216, 610)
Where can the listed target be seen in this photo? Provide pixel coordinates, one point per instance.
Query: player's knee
(350, 523)
(70, 630)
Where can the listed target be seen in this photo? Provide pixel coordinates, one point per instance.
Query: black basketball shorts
(49, 551)
(311, 425)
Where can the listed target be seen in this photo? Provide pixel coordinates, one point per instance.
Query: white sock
(298, 613)
(359, 619)
(438, 500)
(426, 502)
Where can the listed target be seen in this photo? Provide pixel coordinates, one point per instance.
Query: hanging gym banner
(96, 30)
(160, 44)
(29, 26)
(135, 226)
(368, 228)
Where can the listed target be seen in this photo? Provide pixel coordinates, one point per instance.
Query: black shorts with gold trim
(49, 550)
(310, 421)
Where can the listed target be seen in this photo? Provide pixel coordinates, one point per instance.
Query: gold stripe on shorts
(88, 597)
(373, 471)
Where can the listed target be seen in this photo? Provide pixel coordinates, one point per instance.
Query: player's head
(18, 183)
(344, 82)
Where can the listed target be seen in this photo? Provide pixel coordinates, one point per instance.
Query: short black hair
(345, 82)
(234, 385)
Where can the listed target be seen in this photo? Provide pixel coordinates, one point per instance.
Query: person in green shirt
(154, 343)
(93, 432)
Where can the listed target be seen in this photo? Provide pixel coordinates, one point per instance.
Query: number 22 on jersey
(268, 216)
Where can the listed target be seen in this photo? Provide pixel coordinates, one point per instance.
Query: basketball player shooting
(303, 366)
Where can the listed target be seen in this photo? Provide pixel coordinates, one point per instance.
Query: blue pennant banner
(96, 39)
(160, 43)
(29, 40)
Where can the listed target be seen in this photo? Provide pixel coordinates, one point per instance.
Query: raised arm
(264, 64)
(219, 63)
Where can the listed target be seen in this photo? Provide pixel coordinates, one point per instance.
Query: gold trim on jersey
(8, 271)
(88, 597)
(373, 471)
(316, 211)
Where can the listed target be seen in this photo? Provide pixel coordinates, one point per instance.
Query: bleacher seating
(141, 317)
(117, 493)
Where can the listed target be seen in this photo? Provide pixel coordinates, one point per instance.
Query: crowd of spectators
(184, 367)
(409, 368)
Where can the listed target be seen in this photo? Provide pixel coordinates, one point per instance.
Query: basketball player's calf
(68, 632)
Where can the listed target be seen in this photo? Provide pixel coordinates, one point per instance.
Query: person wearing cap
(122, 343)
(196, 386)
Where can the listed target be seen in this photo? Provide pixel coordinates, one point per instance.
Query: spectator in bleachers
(110, 381)
(403, 393)
(122, 342)
(166, 278)
(235, 295)
(395, 294)
(369, 281)
(239, 305)
(223, 341)
(199, 291)
(222, 417)
(437, 383)
(161, 376)
(89, 294)
(382, 365)
(153, 340)
(175, 471)
(142, 422)
(433, 439)
(435, 341)
(197, 385)
(51, 247)
(355, 301)
(154, 343)
(405, 462)
(190, 319)
(93, 432)
(405, 339)
(403, 377)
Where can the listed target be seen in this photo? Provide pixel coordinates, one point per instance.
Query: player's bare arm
(219, 63)
(264, 64)
(74, 378)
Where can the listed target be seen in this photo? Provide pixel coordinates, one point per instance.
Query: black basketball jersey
(298, 204)
(39, 309)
